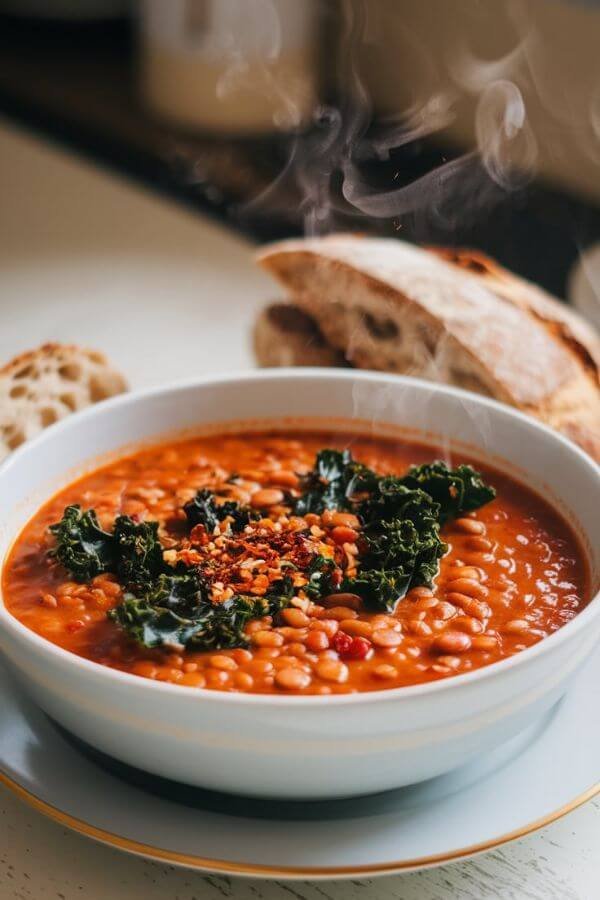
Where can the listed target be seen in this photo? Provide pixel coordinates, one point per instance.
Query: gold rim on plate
(224, 867)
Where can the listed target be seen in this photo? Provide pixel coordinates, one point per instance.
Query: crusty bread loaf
(462, 320)
(42, 386)
(286, 336)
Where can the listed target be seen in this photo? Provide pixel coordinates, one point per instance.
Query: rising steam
(341, 165)
(506, 145)
(505, 151)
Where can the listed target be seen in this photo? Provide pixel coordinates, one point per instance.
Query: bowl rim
(407, 692)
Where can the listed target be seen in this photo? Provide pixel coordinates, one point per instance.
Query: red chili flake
(189, 557)
(336, 577)
(351, 647)
(198, 535)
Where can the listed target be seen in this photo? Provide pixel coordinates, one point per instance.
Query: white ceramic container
(310, 746)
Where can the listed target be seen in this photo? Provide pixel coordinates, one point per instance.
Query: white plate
(539, 777)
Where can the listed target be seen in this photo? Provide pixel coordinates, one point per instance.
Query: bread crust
(566, 324)
(42, 386)
(449, 316)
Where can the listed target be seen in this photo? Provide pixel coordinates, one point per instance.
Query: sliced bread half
(388, 305)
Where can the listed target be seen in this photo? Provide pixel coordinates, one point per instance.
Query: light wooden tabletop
(152, 246)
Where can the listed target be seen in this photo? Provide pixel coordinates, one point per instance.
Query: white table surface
(68, 229)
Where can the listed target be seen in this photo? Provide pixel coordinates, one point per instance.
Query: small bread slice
(284, 335)
(42, 386)
(391, 306)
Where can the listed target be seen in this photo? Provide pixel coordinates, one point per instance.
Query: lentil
(517, 626)
(468, 586)
(385, 637)
(347, 601)
(295, 617)
(266, 497)
(385, 671)
(470, 526)
(332, 670)
(316, 640)
(452, 642)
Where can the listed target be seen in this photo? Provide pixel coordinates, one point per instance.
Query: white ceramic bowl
(304, 747)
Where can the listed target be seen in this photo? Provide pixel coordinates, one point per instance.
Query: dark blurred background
(474, 122)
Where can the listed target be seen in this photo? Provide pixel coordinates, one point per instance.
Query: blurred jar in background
(230, 66)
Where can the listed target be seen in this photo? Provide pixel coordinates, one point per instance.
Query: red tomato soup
(510, 571)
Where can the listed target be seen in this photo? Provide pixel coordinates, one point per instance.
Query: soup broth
(510, 572)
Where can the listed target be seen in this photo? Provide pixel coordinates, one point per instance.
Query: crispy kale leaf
(380, 589)
(457, 490)
(176, 612)
(319, 572)
(337, 481)
(401, 518)
(138, 551)
(163, 611)
(82, 547)
(205, 510)
(412, 545)
(333, 482)
(132, 551)
(401, 544)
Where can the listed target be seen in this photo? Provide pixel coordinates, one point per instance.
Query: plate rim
(265, 871)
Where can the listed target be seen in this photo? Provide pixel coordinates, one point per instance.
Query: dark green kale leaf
(380, 589)
(138, 551)
(320, 577)
(333, 482)
(133, 551)
(151, 626)
(208, 627)
(177, 612)
(457, 491)
(182, 593)
(82, 547)
(400, 552)
(401, 516)
(412, 545)
(204, 509)
(391, 498)
(279, 595)
(163, 606)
